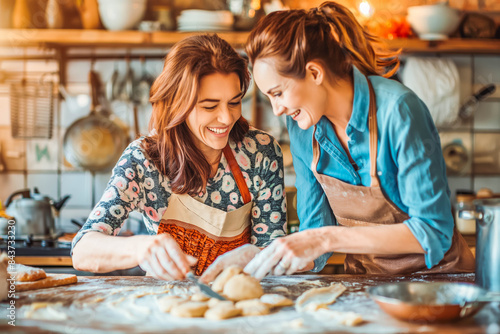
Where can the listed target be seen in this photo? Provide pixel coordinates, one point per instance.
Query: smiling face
(216, 111)
(302, 99)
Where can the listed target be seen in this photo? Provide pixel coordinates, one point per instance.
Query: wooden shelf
(103, 38)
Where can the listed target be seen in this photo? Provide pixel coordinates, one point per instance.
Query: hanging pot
(94, 142)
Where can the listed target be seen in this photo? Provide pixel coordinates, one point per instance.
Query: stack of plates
(205, 20)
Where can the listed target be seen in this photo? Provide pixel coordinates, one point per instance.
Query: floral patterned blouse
(136, 184)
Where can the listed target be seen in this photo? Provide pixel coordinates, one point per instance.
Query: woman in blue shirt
(371, 178)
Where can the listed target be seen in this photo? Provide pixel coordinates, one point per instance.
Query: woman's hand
(287, 255)
(164, 259)
(239, 256)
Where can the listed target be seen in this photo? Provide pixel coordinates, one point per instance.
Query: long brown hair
(329, 34)
(174, 95)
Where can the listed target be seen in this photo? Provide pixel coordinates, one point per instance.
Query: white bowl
(433, 21)
(121, 14)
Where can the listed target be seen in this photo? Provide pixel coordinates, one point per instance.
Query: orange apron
(346, 200)
(206, 232)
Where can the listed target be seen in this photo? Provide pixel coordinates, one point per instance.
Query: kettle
(34, 213)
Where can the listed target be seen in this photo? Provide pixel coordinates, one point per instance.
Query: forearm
(382, 239)
(100, 253)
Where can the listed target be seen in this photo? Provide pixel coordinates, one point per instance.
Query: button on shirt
(410, 164)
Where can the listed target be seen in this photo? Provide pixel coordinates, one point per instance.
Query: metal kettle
(34, 213)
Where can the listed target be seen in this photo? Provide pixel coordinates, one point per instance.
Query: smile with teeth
(218, 130)
(295, 113)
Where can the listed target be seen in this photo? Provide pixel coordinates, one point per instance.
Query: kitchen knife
(204, 288)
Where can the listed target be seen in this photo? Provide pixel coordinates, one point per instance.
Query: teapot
(34, 213)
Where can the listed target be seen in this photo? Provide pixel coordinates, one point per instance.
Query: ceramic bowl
(121, 14)
(433, 22)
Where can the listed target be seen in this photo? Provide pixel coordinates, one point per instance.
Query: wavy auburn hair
(329, 34)
(174, 95)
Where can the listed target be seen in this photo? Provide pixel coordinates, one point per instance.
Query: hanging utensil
(32, 109)
(143, 87)
(94, 142)
(112, 85)
(470, 106)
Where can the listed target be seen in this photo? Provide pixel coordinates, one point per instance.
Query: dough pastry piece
(275, 300)
(27, 274)
(214, 301)
(318, 297)
(200, 297)
(221, 280)
(190, 310)
(168, 302)
(222, 310)
(50, 281)
(242, 287)
(252, 307)
(343, 318)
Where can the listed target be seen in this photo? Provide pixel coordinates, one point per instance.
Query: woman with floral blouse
(205, 182)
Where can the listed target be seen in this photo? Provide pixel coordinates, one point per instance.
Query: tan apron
(367, 206)
(206, 232)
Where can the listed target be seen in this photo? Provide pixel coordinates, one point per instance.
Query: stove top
(36, 246)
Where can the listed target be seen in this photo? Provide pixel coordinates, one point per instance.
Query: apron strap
(372, 126)
(238, 176)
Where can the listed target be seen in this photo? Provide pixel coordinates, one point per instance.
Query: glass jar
(465, 202)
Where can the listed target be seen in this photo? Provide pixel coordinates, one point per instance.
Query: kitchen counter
(127, 304)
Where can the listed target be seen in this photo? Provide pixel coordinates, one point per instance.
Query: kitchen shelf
(104, 38)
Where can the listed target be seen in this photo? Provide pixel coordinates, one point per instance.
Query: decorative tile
(42, 154)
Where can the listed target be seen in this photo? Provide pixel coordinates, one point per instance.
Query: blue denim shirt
(410, 164)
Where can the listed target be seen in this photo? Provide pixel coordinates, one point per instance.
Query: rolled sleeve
(421, 178)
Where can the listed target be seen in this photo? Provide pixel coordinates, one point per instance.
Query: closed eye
(277, 94)
(235, 104)
(210, 107)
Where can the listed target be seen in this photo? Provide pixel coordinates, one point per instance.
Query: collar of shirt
(361, 102)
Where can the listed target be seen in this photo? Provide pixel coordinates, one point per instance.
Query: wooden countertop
(128, 305)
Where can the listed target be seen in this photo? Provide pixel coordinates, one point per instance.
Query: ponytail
(329, 34)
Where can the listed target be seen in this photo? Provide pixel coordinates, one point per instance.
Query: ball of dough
(190, 309)
(199, 297)
(221, 280)
(222, 310)
(241, 287)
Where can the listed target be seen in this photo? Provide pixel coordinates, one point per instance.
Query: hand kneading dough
(223, 310)
(241, 287)
(168, 302)
(252, 307)
(221, 280)
(275, 300)
(190, 309)
(27, 274)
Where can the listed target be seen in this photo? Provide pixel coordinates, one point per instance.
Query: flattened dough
(343, 318)
(242, 287)
(50, 281)
(318, 297)
(221, 280)
(252, 307)
(168, 302)
(275, 300)
(26, 274)
(222, 310)
(190, 310)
